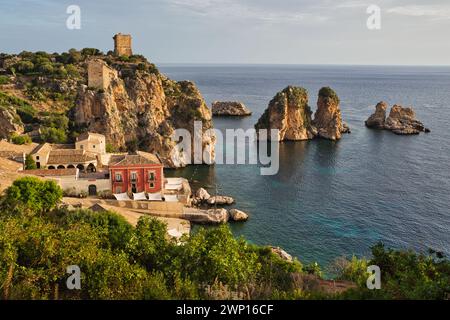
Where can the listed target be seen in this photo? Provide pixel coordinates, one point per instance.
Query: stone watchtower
(99, 74)
(122, 44)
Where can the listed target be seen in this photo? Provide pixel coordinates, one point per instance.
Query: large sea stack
(289, 112)
(327, 118)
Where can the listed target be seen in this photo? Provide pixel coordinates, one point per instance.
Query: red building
(136, 173)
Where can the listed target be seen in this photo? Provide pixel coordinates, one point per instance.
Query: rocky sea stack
(230, 108)
(290, 113)
(327, 118)
(401, 121)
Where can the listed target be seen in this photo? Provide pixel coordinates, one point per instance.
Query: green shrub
(21, 139)
(30, 164)
(4, 80)
(24, 109)
(329, 93)
(110, 148)
(53, 135)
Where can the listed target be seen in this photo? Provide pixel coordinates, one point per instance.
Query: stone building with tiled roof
(73, 172)
(47, 157)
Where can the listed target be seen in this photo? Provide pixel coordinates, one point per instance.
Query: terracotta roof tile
(133, 159)
(51, 173)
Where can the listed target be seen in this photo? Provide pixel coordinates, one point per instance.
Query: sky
(412, 32)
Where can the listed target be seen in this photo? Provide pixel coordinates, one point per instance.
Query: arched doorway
(61, 167)
(70, 166)
(51, 168)
(92, 190)
(91, 168)
(80, 167)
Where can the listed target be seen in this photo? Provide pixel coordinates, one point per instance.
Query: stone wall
(80, 185)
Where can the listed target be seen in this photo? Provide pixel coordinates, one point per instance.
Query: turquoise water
(332, 199)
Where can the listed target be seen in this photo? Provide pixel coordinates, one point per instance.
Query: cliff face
(327, 118)
(289, 112)
(143, 108)
(10, 123)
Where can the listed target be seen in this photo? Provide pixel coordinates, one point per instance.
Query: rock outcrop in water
(327, 118)
(140, 107)
(401, 121)
(289, 112)
(378, 119)
(230, 108)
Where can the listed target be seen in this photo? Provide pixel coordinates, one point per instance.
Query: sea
(337, 199)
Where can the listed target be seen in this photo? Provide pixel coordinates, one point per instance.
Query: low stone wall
(82, 185)
(155, 206)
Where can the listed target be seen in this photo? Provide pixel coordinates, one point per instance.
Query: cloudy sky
(413, 32)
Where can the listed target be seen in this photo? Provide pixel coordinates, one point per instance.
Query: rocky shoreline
(204, 201)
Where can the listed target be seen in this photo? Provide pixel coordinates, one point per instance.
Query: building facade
(88, 154)
(140, 172)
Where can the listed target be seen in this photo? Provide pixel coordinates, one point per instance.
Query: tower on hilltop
(122, 45)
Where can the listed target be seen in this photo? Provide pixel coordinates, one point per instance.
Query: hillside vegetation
(39, 239)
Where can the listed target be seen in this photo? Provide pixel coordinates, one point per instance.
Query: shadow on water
(293, 155)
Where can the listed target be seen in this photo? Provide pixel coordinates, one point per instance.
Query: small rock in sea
(220, 200)
(238, 215)
(230, 108)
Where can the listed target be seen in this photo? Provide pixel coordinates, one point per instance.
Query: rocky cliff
(289, 112)
(125, 98)
(10, 123)
(401, 121)
(144, 109)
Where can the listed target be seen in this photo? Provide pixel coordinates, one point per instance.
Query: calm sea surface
(334, 199)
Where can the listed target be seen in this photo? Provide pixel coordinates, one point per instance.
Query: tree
(30, 164)
(31, 195)
(53, 135)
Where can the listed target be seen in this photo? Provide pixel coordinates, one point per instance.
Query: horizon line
(297, 64)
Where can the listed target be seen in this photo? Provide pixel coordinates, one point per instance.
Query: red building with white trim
(136, 173)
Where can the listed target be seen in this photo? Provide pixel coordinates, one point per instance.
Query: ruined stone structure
(99, 74)
(122, 44)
